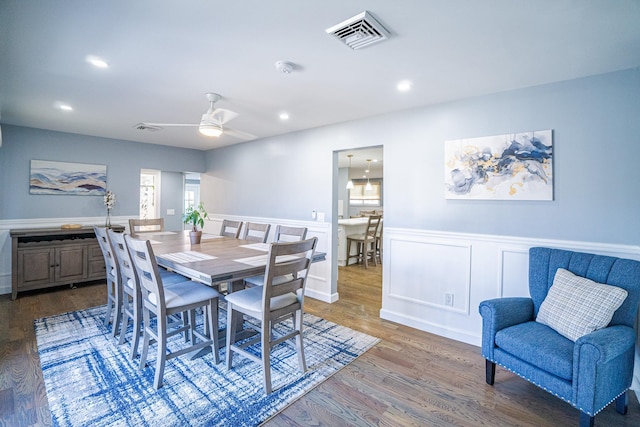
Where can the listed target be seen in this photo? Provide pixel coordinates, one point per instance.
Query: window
(360, 196)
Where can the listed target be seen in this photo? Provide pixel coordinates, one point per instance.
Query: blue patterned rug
(90, 380)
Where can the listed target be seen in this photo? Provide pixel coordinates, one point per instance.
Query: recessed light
(404, 86)
(62, 106)
(97, 62)
(284, 116)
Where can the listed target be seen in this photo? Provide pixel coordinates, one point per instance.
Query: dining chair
(365, 243)
(273, 303)
(166, 301)
(230, 228)
(283, 234)
(379, 242)
(138, 227)
(113, 278)
(131, 294)
(255, 232)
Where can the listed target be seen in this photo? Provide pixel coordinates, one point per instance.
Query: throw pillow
(576, 306)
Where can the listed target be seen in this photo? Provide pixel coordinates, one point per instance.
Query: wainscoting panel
(420, 267)
(426, 273)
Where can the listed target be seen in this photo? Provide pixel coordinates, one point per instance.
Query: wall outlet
(320, 217)
(448, 299)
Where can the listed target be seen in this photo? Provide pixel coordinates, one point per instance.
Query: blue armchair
(589, 373)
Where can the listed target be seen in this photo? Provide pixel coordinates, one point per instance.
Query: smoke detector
(359, 31)
(285, 67)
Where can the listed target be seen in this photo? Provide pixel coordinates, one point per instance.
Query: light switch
(171, 211)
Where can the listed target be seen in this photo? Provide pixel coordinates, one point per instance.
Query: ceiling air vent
(359, 31)
(143, 126)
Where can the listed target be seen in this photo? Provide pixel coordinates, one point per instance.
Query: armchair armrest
(501, 313)
(602, 366)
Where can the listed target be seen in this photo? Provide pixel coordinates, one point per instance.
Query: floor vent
(359, 31)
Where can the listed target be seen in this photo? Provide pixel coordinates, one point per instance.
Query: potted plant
(195, 217)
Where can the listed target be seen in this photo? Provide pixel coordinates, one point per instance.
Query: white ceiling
(164, 55)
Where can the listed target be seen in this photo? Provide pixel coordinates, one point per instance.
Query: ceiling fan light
(210, 130)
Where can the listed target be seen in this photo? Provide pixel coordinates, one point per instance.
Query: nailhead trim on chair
(551, 392)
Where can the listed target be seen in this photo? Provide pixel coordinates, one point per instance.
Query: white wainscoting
(420, 267)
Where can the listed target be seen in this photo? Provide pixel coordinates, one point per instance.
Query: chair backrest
(146, 267)
(291, 260)
(255, 232)
(127, 269)
(110, 262)
(290, 234)
(230, 228)
(141, 226)
(372, 227)
(623, 273)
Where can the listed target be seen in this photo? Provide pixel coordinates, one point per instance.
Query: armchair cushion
(576, 306)
(540, 346)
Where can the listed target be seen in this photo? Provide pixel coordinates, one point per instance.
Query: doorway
(149, 193)
(358, 193)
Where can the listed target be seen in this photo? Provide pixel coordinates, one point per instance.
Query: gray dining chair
(166, 301)
(283, 234)
(231, 228)
(273, 303)
(131, 294)
(256, 232)
(113, 279)
(365, 242)
(137, 227)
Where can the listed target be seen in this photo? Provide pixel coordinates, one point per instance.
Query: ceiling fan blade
(238, 134)
(223, 115)
(171, 124)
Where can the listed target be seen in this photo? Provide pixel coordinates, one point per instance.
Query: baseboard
(440, 330)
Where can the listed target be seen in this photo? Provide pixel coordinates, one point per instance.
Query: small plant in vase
(109, 201)
(195, 217)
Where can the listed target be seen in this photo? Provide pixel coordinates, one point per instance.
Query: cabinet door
(35, 267)
(95, 263)
(71, 263)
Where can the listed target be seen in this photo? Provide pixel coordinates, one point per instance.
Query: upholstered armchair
(574, 337)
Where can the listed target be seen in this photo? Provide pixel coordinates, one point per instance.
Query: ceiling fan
(211, 123)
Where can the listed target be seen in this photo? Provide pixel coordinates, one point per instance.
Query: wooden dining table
(215, 260)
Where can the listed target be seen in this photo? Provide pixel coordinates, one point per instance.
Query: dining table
(215, 260)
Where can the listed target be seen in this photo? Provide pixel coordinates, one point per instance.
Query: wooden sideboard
(46, 257)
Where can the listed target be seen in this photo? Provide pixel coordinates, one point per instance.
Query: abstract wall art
(502, 167)
(49, 177)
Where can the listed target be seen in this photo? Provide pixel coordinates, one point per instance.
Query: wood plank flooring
(411, 378)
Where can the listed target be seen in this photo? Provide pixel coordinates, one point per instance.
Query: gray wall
(124, 159)
(172, 197)
(596, 151)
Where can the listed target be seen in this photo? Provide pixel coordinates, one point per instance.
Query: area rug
(90, 380)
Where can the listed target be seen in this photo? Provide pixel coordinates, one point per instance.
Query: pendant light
(368, 187)
(350, 183)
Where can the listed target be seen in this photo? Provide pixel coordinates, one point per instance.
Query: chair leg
(231, 333)
(299, 344)
(162, 351)
(266, 355)
(146, 341)
(586, 420)
(490, 372)
(622, 403)
(137, 321)
(117, 307)
(211, 313)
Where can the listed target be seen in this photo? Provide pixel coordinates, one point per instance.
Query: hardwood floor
(409, 378)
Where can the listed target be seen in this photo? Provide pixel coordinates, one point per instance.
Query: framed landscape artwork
(502, 167)
(49, 177)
